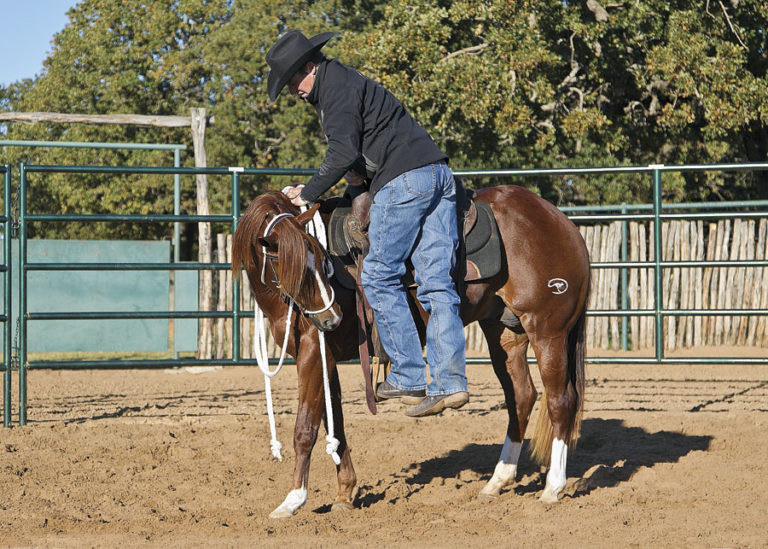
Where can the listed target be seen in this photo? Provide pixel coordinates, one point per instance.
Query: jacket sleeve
(342, 123)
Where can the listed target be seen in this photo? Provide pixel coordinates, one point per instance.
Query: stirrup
(375, 368)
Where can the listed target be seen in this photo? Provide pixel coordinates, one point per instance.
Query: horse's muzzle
(327, 321)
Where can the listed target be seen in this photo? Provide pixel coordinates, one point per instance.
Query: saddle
(478, 258)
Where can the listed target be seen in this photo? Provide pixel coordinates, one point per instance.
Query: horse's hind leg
(507, 350)
(561, 408)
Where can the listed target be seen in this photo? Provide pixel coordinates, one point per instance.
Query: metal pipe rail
(139, 364)
(658, 213)
(25, 267)
(186, 266)
(7, 223)
(121, 218)
(658, 264)
(176, 148)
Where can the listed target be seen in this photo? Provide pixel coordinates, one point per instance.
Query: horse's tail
(543, 435)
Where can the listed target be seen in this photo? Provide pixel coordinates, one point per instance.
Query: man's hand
(294, 195)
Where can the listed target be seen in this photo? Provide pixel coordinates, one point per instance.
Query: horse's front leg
(308, 418)
(311, 412)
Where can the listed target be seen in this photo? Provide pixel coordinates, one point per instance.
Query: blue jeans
(414, 215)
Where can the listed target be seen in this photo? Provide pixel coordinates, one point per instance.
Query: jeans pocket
(421, 181)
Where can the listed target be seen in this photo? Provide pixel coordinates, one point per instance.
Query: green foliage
(116, 58)
(497, 83)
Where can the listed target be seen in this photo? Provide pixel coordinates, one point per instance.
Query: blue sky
(26, 35)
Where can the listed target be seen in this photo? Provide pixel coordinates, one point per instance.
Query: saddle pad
(483, 245)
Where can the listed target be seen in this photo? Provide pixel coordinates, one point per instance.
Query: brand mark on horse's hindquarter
(560, 285)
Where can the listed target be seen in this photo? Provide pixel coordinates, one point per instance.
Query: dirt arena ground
(670, 456)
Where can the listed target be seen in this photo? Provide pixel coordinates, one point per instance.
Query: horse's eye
(328, 265)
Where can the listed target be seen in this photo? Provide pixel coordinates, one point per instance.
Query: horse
(538, 298)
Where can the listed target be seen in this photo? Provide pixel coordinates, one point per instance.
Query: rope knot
(276, 446)
(332, 447)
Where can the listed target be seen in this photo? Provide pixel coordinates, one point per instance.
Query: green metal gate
(6, 315)
(656, 216)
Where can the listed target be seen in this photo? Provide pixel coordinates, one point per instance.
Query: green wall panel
(186, 300)
(102, 291)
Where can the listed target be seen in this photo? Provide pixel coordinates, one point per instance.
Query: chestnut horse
(539, 298)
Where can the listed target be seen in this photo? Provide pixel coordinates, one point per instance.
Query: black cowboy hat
(288, 55)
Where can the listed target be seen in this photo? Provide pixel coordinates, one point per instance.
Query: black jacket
(361, 118)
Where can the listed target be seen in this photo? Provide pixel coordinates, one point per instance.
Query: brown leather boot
(387, 390)
(434, 404)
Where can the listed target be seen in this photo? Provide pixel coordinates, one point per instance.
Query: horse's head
(287, 259)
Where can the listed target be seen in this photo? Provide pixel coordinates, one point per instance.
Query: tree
(551, 83)
(250, 129)
(705, 92)
(497, 83)
(126, 57)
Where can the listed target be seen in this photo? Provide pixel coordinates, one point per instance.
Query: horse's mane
(291, 264)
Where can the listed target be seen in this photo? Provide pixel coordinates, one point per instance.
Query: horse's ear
(305, 217)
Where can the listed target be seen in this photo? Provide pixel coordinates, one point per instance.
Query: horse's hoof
(482, 497)
(549, 497)
(342, 507)
(280, 513)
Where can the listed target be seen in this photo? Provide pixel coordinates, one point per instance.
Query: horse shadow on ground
(607, 454)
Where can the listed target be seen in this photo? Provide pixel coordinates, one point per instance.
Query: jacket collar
(312, 96)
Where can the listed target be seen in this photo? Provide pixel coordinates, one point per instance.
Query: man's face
(301, 83)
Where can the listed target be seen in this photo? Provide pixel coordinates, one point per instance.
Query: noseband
(271, 257)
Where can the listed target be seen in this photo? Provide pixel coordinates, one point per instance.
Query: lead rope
(316, 228)
(260, 350)
(333, 443)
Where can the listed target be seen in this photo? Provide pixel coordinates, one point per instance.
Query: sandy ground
(670, 456)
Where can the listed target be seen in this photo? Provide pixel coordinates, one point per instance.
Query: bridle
(270, 258)
(260, 349)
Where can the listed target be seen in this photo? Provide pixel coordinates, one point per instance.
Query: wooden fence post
(221, 257)
(698, 289)
(205, 338)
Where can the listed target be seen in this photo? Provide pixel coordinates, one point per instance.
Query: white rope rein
(260, 350)
(333, 443)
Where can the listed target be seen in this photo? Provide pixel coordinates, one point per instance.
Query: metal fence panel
(77, 291)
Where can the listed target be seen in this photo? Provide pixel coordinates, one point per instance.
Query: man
(413, 214)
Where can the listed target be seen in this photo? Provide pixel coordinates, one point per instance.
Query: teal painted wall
(101, 291)
(186, 300)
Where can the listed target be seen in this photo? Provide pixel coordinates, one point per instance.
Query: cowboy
(413, 215)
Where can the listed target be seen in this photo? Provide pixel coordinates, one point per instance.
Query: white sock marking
(556, 475)
(506, 468)
(293, 502)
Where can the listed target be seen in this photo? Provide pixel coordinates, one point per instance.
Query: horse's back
(546, 257)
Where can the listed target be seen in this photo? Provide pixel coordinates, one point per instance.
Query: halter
(268, 230)
(270, 257)
(260, 350)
